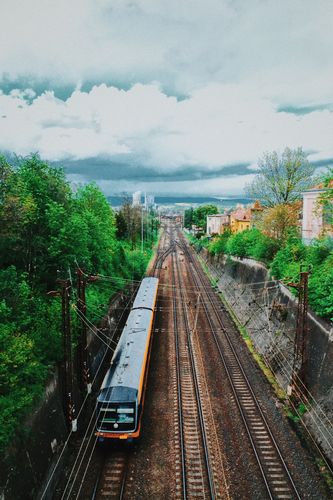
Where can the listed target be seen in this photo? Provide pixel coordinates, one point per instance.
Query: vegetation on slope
(284, 258)
(46, 229)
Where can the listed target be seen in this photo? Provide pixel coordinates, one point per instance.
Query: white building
(313, 223)
(136, 199)
(149, 201)
(217, 223)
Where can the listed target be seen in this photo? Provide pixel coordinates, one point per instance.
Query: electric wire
(79, 412)
(289, 364)
(298, 413)
(301, 389)
(87, 429)
(307, 401)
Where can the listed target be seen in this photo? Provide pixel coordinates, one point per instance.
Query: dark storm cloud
(97, 168)
(326, 162)
(305, 110)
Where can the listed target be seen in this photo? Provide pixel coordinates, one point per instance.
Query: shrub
(218, 244)
(321, 288)
(288, 259)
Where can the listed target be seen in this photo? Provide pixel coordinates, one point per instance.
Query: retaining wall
(268, 310)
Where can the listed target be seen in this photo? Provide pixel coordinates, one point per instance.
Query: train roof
(123, 377)
(146, 294)
(127, 361)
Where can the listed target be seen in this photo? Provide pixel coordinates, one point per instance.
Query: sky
(170, 97)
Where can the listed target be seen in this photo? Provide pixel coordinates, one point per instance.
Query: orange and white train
(121, 398)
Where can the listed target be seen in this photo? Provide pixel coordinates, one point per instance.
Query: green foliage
(286, 264)
(218, 244)
(249, 243)
(188, 218)
(237, 245)
(198, 216)
(45, 230)
(198, 242)
(321, 288)
(297, 414)
(285, 261)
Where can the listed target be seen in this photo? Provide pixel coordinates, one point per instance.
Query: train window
(125, 410)
(125, 419)
(116, 417)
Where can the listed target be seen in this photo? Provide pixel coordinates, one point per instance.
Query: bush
(285, 263)
(218, 244)
(288, 259)
(321, 289)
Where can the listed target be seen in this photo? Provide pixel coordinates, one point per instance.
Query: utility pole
(83, 366)
(141, 229)
(300, 348)
(67, 364)
(83, 360)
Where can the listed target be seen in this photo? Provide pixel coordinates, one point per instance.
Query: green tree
(188, 218)
(288, 259)
(321, 288)
(47, 228)
(326, 198)
(200, 215)
(281, 179)
(218, 244)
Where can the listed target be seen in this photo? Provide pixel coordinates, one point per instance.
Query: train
(121, 398)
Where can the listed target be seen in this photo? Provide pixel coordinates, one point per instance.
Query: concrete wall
(29, 464)
(268, 310)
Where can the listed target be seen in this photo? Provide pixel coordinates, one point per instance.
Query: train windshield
(116, 417)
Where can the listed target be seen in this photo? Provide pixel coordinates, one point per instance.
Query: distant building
(244, 217)
(316, 221)
(136, 199)
(218, 223)
(149, 201)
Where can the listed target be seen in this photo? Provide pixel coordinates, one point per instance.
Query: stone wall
(268, 310)
(27, 469)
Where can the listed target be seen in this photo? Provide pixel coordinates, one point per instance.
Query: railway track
(112, 478)
(96, 473)
(196, 474)
(274, 470)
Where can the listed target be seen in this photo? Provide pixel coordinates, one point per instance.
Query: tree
(200, 215)
(281, 179)
(188, 218)
(326, 198)
(278, 221)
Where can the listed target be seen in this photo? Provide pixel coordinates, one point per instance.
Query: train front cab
(117, 413)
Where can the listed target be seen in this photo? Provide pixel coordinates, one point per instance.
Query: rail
(274, 470)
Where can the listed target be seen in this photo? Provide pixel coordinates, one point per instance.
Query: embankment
(268, 310)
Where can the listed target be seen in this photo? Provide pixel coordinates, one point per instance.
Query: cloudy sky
(177, 96)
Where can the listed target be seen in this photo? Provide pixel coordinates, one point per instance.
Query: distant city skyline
(177, 97)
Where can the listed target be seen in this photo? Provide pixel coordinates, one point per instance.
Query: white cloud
(281, 49)
(236, 62)
(217, 126)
